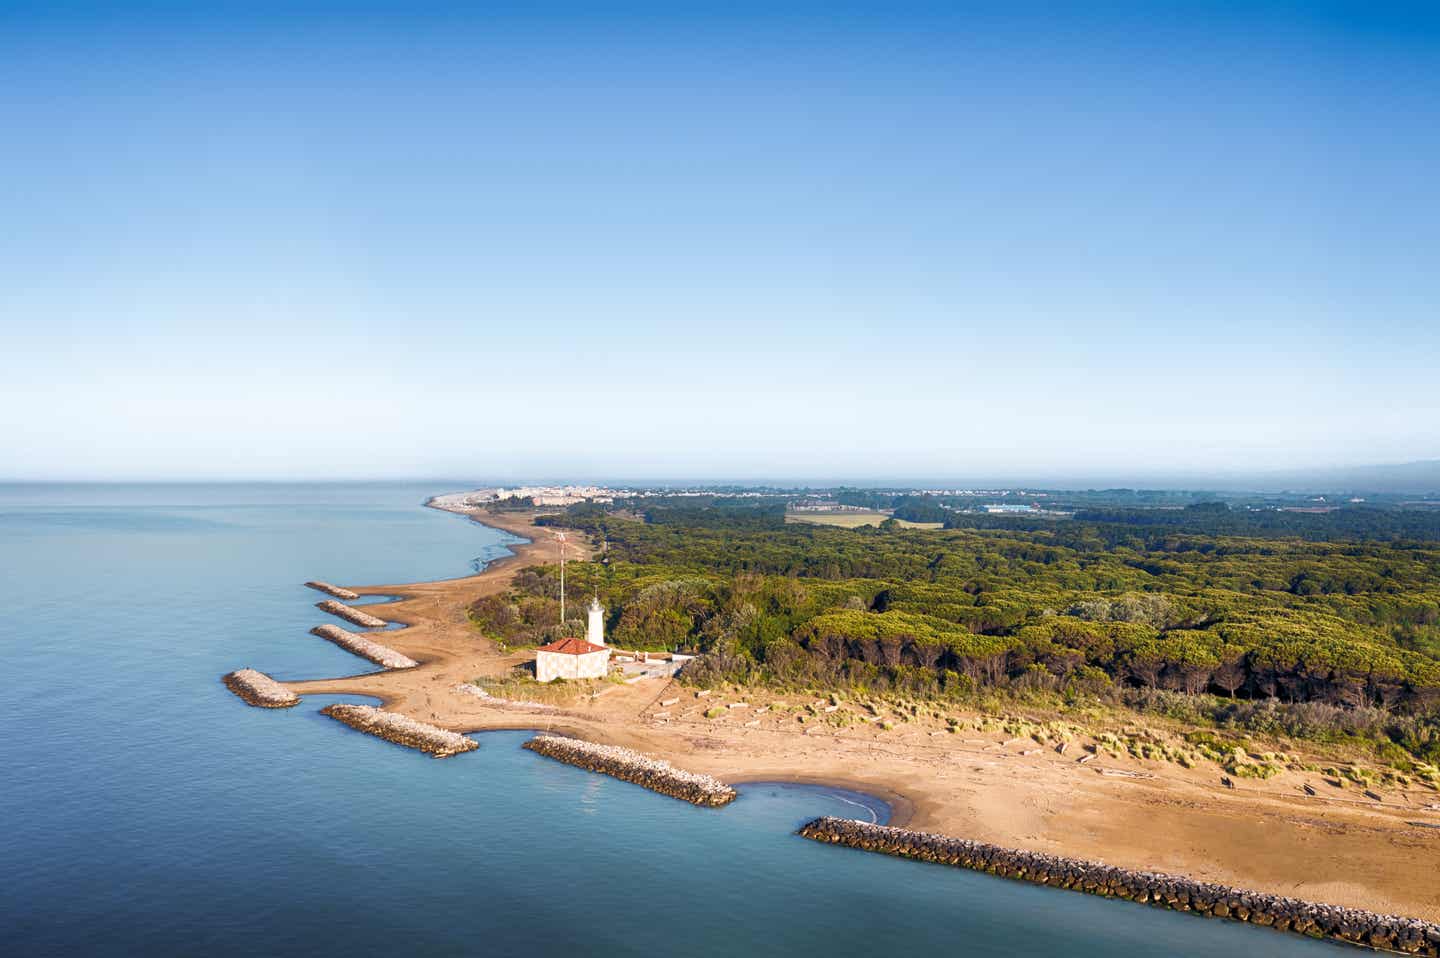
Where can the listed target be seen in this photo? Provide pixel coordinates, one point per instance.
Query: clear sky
(733, 240)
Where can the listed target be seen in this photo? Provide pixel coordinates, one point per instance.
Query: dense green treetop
(1345, 622)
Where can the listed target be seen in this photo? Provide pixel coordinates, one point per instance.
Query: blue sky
(945, 240)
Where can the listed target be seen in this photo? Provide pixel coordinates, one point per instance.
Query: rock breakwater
(259, 689)
(334, 590)
(401, 729)
(379, 654)
(1390, 932)
(363, 619)
(635, 767)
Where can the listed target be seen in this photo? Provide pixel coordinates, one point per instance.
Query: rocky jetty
(379, 654)
(401, 729)
(259, 689)
(334, 590)
(1389, 932)
(363, 619)
(631, 766)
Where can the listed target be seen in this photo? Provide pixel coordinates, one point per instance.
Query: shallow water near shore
(148, 810)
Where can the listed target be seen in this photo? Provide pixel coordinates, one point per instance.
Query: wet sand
(1264, 835)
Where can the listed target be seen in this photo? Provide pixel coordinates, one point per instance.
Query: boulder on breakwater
(259, 689)
(363, 619)
(401, 729)
(334, 590)
(1390, 932)
(635, 767)
(379, 654)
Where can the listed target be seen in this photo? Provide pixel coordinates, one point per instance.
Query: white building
(571, 659)
(586, 658)
(595, 627)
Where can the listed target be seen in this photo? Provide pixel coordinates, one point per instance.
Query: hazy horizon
(1411, 477)
(384, 240)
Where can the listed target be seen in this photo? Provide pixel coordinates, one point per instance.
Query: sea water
(147, 811)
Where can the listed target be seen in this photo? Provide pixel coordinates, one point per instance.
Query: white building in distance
(586, 658)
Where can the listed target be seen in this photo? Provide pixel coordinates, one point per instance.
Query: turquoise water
(148, 811)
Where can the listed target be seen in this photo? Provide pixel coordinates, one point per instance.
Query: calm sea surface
(147, 811)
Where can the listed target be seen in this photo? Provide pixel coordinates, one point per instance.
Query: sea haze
(148, 811)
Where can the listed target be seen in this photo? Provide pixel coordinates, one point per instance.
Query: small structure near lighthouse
(586, 658)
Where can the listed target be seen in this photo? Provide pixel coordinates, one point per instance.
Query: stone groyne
(632, 766)
(379, 654)
(334, 590)
(259, 689)
(401, 729)
(1390, 932)
(364, 619)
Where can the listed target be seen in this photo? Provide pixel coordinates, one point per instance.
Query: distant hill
(1417, 478)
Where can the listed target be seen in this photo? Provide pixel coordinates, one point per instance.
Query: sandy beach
(1270, 836)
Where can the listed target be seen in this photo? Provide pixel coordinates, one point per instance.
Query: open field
(853, 520)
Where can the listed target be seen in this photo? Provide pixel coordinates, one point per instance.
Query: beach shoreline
(1260, 836)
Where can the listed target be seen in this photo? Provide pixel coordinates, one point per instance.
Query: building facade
(571, 659)
(586, 658)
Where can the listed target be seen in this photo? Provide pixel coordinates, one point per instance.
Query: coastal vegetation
(851, 520)
(1214, 518)
(520, 685)
(1322, 637)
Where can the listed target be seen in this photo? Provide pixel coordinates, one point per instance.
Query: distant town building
(821, 505)
(548, 495)
(556, 500)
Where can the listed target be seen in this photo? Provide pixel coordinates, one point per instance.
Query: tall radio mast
(560, 537)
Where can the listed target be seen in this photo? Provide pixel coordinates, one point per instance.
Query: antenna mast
(561, 537)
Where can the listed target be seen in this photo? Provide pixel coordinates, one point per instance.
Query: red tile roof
(571, 647)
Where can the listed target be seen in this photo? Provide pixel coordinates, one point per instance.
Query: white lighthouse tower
(595, 628)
